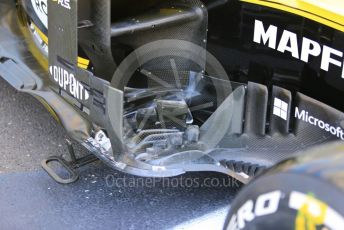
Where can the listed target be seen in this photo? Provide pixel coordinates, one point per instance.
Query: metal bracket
(69, 166)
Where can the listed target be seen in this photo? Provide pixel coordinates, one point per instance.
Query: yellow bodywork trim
(82, 66)
(41, 34)
(48, 108)
(82, 62)
(44, 64)
(326, 12)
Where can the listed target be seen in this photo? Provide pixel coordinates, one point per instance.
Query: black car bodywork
(110, 79)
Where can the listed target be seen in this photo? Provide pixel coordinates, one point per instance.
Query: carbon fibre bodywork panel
(22, 70)
(249, 128)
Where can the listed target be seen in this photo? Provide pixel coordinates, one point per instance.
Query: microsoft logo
(280, 109)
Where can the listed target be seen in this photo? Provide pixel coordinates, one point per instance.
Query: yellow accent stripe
(48, 108)
(83, 63)
(43, 62)
(41, 34)
(318, 11)
(82, 66)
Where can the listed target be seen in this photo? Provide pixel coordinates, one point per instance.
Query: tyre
(305, 192)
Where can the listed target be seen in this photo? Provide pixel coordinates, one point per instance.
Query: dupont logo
(69, 83)
(280, 109)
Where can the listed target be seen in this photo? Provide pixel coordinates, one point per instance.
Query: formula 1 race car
(157, 88)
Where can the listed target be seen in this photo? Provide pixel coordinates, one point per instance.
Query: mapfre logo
(289, 43)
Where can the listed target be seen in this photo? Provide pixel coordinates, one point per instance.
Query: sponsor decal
(41, 9)
(63, 3)
(304, 115)
(69, 83)
(280, 108)
(311, 212)
(265, 204)
(289, 43)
